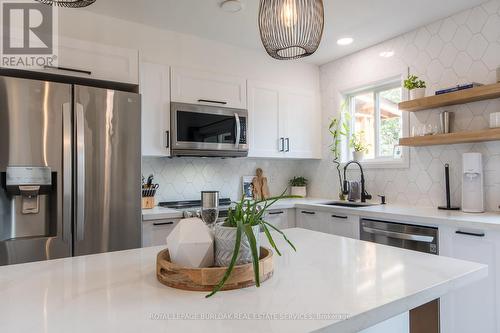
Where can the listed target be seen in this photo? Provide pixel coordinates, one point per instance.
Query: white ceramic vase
(300, 191)
(417, 93)
(358, 155)
(191, 244)
(225, 238)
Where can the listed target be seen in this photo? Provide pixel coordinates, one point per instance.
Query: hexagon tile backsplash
(462, 48)
(184, 178)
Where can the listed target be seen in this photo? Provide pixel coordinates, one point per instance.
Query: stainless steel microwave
(211, 131)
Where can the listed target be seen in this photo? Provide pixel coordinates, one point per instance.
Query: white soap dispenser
(472, 183)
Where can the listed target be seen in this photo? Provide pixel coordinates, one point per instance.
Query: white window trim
(381, 162)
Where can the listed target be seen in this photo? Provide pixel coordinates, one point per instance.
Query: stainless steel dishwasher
(412, 237)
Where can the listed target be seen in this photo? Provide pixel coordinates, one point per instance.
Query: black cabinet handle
(275, 213)
(67, 69)
(282, 144)
(287, 144)
(481, 234)
(167, 139)
(156, 224)
(308, 213)
(339, 217)
(211, 101)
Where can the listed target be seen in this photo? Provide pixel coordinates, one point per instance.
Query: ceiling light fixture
(386, 54)
(291, 29)
(345, 41)
(231, 6)
(68, 3)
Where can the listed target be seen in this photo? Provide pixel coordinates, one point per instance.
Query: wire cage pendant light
(68, 3)
(291, 29)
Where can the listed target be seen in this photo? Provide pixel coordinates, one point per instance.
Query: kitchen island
(331, 284)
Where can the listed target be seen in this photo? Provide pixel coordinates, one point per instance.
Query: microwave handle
(238, 131)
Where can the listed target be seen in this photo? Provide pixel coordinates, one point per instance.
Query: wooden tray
(204, 279)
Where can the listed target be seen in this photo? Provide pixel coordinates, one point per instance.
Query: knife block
(148, 202)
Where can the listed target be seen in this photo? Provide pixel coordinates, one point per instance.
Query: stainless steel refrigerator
(70, 167)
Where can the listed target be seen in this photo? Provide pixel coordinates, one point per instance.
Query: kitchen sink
(350, 204)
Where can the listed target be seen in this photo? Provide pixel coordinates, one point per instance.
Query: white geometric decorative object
(191, 244)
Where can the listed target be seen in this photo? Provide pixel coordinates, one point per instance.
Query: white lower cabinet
(474, 308)
(154, 233)
(281, 218)
(328, 222)
(309, 219)
(341, 225)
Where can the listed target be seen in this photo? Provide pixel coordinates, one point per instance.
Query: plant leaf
(282, 234)
(255, 253)
(230, 268)
(270, 238)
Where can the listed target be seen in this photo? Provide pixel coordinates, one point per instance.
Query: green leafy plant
(245, 215)
(357, 142)
(338, 128)
(412, 82)
(298, 181)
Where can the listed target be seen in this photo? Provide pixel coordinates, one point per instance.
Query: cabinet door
(473, 308)
(341, 225)
(309, 219)
(155, 91)
(154, 233)
(97, 61)
(264, 106)
(278, 218)
(199, 87)
(303, 125)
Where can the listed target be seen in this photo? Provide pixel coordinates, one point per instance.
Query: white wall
(458, 49)
(184, 178)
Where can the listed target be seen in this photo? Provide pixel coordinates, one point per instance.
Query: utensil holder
(148, 202)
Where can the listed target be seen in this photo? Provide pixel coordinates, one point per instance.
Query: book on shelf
(459, 87)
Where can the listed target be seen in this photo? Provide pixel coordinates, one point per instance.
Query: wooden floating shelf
(452, 138)
(489, 91)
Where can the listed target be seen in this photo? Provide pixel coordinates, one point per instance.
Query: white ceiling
(367, 21)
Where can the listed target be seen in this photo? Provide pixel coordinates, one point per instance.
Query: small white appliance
(472, 183)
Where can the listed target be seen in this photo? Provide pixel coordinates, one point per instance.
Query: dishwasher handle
(399, 235)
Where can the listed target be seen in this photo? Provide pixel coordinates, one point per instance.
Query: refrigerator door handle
(80, 177)
(67, 172)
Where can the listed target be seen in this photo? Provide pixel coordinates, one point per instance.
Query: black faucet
(364, 195)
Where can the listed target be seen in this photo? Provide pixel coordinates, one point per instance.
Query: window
(376, 119)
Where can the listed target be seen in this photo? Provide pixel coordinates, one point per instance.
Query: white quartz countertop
(349, 283)
(407, 214)
(160, 213)
(416, 215)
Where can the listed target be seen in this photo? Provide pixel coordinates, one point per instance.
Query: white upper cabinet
(303, 125)
(96, 61)
(199, 87)
(155, 97)
(264, 120)
(283, 123)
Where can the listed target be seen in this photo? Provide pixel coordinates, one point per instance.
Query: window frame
(376, 88)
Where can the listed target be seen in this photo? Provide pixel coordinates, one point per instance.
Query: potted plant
(237, 239)
(415, 86)
(338, 128)
(358, 145)
(298, 186)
